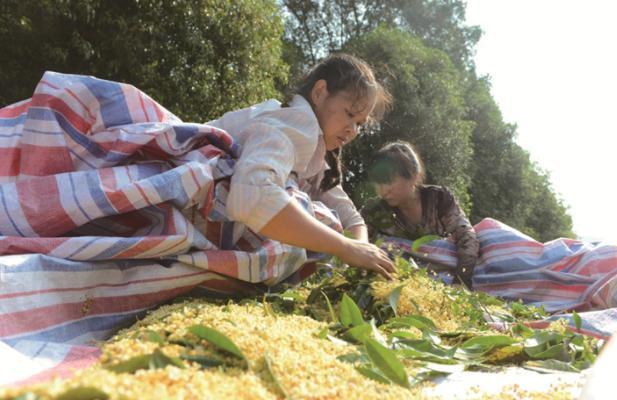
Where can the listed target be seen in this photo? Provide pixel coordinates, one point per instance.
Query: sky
(553, 71)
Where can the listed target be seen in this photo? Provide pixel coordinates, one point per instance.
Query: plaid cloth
(96, 182)
(560, 275)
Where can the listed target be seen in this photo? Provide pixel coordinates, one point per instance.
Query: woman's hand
(366, 256)
(294, 226)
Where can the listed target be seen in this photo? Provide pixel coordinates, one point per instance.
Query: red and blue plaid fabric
(93, 177)
(560, 275)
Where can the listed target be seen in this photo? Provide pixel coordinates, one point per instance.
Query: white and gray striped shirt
(275, 141)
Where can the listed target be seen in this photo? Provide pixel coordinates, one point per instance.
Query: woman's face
(340, 115)
(397, 192)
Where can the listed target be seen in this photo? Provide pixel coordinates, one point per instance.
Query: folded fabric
(101, 190)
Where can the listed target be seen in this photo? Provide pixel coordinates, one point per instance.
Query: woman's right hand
(366, 256)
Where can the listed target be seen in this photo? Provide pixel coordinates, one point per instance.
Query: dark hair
(396, 159)
(344, 72)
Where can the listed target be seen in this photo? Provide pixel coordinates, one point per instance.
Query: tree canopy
(428, 111)
(200, 58)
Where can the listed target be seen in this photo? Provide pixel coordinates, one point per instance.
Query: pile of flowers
(342, 335)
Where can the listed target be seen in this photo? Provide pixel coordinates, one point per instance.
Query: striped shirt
(277, 141)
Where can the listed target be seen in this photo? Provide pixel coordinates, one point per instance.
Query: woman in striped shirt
(302, 139)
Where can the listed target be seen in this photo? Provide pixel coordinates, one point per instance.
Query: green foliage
(277, 382)
(423, 240)
(325, 26)
(217, 339)
(505, 184)
(501, 182)
(203, 58)
(428, 110)
(350, 314)
(387, 362)
(155, 360)
(197, 58)
(83, 393)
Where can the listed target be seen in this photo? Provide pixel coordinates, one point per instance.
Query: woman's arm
(294, 226)
(358, 232)
(257, 198)
(456, 223)
(338, 200)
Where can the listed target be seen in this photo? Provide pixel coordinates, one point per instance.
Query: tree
(320, 27)
(428, 110)
(199, 58)
(506, 184)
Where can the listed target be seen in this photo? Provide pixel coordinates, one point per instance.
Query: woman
(303, 138)
(410, 209)
(112, 205)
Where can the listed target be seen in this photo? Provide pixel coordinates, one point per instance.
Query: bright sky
(553, 68)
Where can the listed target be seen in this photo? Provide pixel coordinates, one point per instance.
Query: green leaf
(374, 375)
(291, 295)
(276, 381)
(132, 364)
(416, 321)
(204, 361)
(427, 346)
(431, 335)
(217, 339)
(83, 393)
(330, 309)
(183, 342)
(549, 366)
(322, 334)
(413, 354)
(522, 330)
(486, 343)
(387, 362)
(393, 298)
(403, 335)
(350, 313)
(155, 337)
(445, 368)
(543, 337)
(557, 351)
(359, 333)
(541, 341)
(423, 240)
(161, 360)
(353, 358)
(578, 322)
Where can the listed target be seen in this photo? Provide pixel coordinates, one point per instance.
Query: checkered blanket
(99, 186)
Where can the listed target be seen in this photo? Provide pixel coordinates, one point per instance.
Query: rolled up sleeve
(339, 201)
(257, 191)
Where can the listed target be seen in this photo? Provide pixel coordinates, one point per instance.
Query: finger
(383, 253)
(387, 264)
(383, 273)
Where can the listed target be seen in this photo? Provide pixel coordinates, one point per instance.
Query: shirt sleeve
(257, 191)
(456, 223)
(339, 201)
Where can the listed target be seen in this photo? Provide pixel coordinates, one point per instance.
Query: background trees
(424, 50)
(428, 110)
(200, 58)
